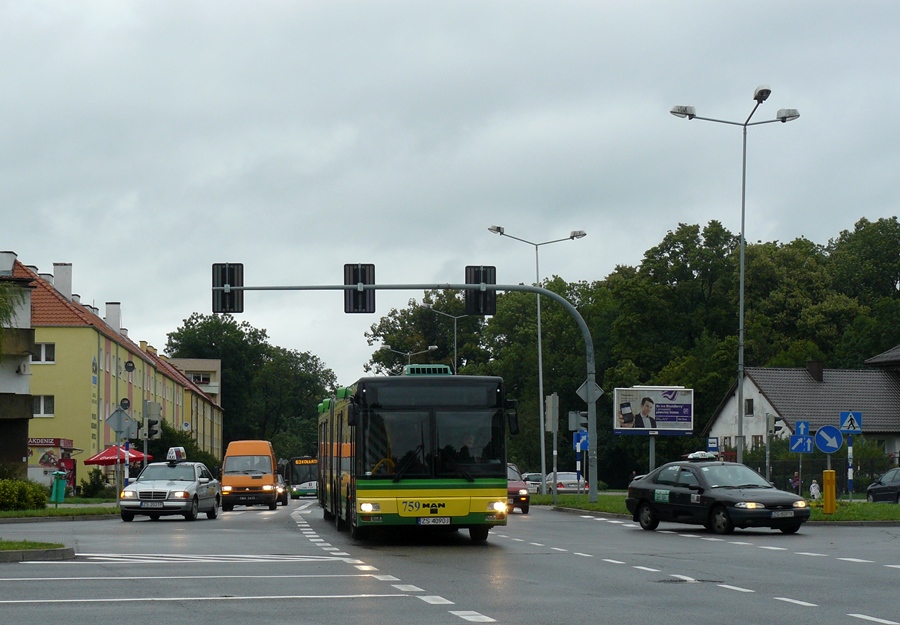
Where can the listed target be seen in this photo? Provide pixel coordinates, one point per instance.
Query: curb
(44, 555)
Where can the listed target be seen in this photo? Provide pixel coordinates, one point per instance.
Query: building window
(748, 407)
(757, 441)
(726, 441)
(43, 405)
(200, 378)
(44, 352)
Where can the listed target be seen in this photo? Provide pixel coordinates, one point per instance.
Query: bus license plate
(151, 504)
(434, 520)
(782, 514)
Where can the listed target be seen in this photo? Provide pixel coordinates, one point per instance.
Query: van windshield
(250, 465)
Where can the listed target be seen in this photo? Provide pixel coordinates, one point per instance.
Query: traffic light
(228, 275)
(481, 302)
(152, 430)
(357, 300)
(774, 424)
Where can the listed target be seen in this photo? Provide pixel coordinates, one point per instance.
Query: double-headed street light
(409, 355)
(760, 95)
(574, 234)
(455, 319)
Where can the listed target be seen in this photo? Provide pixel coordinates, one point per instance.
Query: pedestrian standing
(814, 490)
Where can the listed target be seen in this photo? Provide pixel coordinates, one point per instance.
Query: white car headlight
(523, 491)
(180, 494)
(129, 494)
(800, 504)
(749, 505)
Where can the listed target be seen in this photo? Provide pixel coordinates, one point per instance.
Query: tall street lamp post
(455, 319)
(760, 95)
(409, 355)
(575, 234)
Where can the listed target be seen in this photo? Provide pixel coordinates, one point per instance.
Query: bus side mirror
(512, 416)
(352, 414)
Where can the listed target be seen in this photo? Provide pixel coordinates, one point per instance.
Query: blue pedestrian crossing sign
(851, 422)
(829, 439)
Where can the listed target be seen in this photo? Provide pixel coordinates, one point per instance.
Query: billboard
(660, 410)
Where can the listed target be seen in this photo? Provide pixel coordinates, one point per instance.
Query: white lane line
(536, 544)
(472, 617)
(209, 599)
(407, 588)
(435, 600)
(690, 536)
(773, 548)
(812, 554)
(685, 578)
(646, 568)
(558, 549)
(737, 588)
(741, 542)
(583, 555)
(873, 619)
(806, 604)
(714, 540)
(613, 561)
(857, 560)
(366, 567)
(519, 540)
(893, 566)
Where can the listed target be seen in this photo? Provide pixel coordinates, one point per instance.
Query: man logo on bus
(434, 507)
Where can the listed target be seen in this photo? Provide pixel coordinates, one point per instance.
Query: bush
(22, 495)
(96, 486)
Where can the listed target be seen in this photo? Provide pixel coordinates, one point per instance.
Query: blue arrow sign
(829, 439)
(851, 422)
(802, 444)
(802, 428)
(580, 440)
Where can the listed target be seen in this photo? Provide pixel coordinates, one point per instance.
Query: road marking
(714, 540)
(857, 560)
(147, 558)
(646, 568)
(740, 542)
(685, 578)
(407, 588)
(210, 599)
(536, 544)
(366, 567)
(737, 588)
(806, 604)
(773, 548)
(558, 549)
(873, 619)
(812, 554)
(893, 566)
(435, 600)
(584, 555)
(474, 617)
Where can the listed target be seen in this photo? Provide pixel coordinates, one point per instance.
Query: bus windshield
(433, 443)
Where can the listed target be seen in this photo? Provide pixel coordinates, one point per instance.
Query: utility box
(828, 492)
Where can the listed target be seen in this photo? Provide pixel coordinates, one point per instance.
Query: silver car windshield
(165, 472)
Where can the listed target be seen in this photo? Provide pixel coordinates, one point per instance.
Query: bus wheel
(479, 533)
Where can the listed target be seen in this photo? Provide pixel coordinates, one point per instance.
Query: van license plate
(434, 520)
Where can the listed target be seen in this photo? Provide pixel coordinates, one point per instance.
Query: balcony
(17, 341)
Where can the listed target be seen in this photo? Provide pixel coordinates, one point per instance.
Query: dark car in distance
(516, 490)
(886, 488)
(717, 495)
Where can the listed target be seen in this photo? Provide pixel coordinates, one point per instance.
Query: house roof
(889, 358)
(797, 396)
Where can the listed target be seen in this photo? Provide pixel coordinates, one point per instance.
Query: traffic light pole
(590, 386)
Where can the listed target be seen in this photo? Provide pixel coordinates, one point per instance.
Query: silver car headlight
(800, 504)
(129, 494)
(180, 494)
(749, 505)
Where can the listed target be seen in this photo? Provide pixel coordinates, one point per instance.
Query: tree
(242, 350)
(11, 297)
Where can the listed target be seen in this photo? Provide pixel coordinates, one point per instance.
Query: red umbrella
(116, 455)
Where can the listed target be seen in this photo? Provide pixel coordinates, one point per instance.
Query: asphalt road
(290, 566)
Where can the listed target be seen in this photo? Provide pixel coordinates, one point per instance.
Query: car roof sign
(176, 454)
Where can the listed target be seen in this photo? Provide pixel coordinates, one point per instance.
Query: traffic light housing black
(481, 302)
(152, 430)
(774, 424)
(357, 300)
(228, 275)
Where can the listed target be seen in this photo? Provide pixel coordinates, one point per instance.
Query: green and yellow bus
(419, 449)
(303, 476)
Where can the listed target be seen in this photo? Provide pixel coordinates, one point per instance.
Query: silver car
(172, 487)
(565, 482)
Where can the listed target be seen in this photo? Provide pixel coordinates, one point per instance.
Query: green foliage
(22, 495)
(172, 437)
(11, 296)
(96, 487)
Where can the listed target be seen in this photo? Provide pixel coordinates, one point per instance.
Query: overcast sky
(144, 141)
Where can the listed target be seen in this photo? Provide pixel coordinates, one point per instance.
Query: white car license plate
(782, 514)
(434, 520)
(151, 504)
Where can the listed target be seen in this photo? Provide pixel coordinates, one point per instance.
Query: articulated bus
(419, 449)
(303, 476)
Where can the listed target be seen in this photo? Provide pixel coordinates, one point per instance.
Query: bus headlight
(369, 507)
(498, 506)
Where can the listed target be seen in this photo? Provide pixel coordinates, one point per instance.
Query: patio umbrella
(116, 455)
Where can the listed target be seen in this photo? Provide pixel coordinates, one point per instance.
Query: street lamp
(574, 234)
(409, 355)
(760, 95)
(455, 318)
